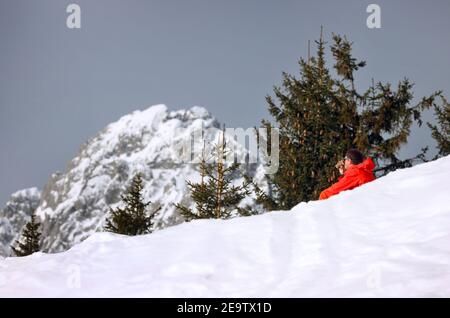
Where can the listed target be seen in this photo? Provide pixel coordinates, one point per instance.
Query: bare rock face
(16, 213)
(74, 204)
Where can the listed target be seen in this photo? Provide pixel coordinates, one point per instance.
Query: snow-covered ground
(388, 238)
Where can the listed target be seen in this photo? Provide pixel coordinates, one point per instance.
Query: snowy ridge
(388, 238)
(16, 213)
(74, 204)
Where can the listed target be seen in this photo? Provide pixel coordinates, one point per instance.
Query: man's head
(353, 156)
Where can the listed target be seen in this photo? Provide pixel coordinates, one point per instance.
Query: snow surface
(388, 238)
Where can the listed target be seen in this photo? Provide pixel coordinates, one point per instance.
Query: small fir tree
(214, 196)
(29, 241)
(133, 218)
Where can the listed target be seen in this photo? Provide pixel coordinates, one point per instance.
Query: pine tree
(133, 218)
(441, 133)
(214, 196)
(320, 117)
(29, 241)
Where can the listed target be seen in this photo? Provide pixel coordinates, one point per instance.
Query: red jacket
(355, 176)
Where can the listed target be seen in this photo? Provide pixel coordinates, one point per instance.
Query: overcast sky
(58, 86)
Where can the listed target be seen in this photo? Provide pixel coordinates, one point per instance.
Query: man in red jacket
(356, 171)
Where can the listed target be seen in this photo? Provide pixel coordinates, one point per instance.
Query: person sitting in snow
(355, 171)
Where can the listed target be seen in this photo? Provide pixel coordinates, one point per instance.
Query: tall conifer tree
(441, 131)
(320, 117)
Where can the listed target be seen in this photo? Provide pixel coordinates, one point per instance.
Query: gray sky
(58, 87)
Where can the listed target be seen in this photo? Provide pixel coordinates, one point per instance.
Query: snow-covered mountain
(16, 213)
(74, 204)
(388, 238)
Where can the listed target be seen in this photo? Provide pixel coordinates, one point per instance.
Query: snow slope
(388, 238)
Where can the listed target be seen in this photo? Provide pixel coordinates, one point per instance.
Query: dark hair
(355, 156)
